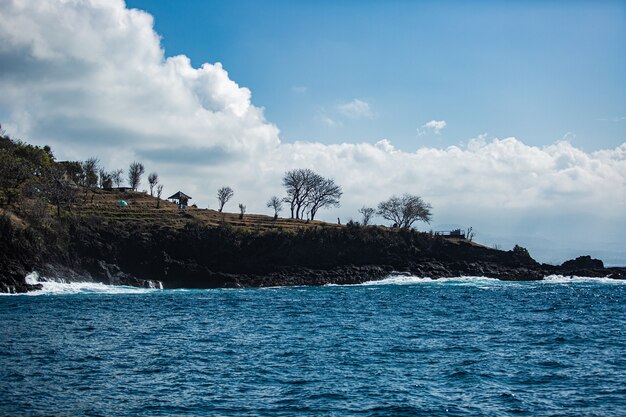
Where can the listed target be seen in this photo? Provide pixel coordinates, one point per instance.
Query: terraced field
(142, 209)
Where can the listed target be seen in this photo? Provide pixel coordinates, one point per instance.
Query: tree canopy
(307, 192)
(405, 210)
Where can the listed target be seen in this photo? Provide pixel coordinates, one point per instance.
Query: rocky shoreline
(200, 256)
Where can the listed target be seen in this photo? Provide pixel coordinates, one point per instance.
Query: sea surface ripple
(404, 347)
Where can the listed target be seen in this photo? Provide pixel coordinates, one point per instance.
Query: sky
(509, 117)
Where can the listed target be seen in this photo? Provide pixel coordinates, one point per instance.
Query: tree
(308, 191)
(153, 180)
(324, 193)
(91, 167)
(223, 195)
(275, 203)
(106, 179)
(242, 210)
(159, 192)
(299, 184)
(116, 177)
(470, 233)
(367, 213)
(58, 190)
(90, 172)
(135, 171)
(405, 210)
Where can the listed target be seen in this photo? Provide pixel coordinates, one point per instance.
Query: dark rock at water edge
(200, 256)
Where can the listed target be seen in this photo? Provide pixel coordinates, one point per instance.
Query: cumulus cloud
(90, 78)
(433, 126)
(92, 71)
(356, 109)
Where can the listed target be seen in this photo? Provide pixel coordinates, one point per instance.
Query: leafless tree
(242, 210)
(299, 184)
(324, 193)
(159, 192)
(471, 234)
(116, 177)
(106, 179)
(90, 176)
(153, 180)
(405, 210)
(223, 195)
(275, 203)
(135, 171)
(58, 190)
(367, 213)
(90, 172)
(308, 191)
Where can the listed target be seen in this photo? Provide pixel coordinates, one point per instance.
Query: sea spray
(60, 286)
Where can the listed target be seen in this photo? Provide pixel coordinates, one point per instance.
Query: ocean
(405, 346)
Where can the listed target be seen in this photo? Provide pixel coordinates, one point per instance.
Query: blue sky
(539, 71)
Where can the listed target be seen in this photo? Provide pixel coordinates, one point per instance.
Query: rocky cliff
(204, 256)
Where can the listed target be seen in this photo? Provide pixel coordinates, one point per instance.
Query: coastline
(197, 255)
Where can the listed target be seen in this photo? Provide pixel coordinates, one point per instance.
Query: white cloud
(90, 78)
(434, 126)
(356, 109)
(90, 72)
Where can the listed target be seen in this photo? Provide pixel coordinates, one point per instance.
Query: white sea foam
(412, 279)
(485, 281)
(60, 286)
(561, 279)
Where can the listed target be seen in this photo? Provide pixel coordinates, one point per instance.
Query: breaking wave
(481, 281)
(60, 286)
(561, 279)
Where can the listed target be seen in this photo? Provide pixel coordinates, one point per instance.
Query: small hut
(181, 199)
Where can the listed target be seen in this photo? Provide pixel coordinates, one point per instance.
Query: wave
(562, 279)
(486, 281)
(412, 279)
(59, 286)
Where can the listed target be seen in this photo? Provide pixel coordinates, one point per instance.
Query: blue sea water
(403, 347)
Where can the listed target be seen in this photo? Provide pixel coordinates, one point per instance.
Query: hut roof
(179, 195)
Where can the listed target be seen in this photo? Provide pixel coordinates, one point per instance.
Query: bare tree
(90, 172)
(367, 213)
(405, 210)
(153, 180)
(223, 195)
(90, 176)
(324, 193)
(106, 179)
(116, 177)
(135, 171)
(299, 184)
(159, 192)
(471, 234)
(242, 210)
(275, 203)
(58, 190)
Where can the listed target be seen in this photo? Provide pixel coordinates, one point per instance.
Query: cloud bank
(90, 78)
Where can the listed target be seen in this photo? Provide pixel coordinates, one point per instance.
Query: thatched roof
(179, 195)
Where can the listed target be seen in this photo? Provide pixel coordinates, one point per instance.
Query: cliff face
(201, 256)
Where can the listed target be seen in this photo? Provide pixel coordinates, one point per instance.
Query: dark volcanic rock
(198, 256)
(581, 263)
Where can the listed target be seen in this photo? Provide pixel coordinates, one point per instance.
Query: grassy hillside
(142, 209)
